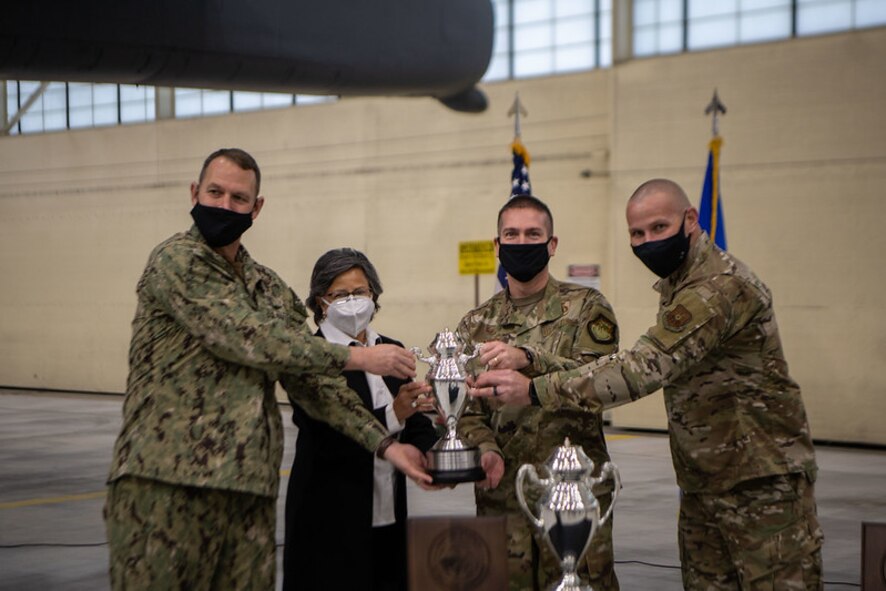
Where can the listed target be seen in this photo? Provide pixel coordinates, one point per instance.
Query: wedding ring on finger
(414, 403)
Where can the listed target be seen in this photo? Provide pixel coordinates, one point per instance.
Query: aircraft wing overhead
(438, 48)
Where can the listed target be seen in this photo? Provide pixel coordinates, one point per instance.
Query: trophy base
(456, 465)
(457, 476)
(570, 582)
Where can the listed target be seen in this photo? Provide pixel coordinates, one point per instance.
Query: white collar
(334, 335)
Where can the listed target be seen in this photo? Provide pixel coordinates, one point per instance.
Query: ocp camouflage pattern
(734, 413)
(762, 534)
(571, 325)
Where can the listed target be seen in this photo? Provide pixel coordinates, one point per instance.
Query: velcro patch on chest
(602, 330)
(677, 318)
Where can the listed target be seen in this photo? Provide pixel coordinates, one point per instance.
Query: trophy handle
(464, 358)
(417, 352)
(610, 470)
(524, 471)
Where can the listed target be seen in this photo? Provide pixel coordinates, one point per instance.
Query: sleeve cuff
(384, 445)
(394, 426)
(490, 446)
(531, 356)
(545, 393)
(373, 433)
(340, 355)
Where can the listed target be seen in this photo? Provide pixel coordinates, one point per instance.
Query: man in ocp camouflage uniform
(537, 325)
(195, 471)
(739, 436)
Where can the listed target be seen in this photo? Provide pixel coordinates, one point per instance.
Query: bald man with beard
(739, 436)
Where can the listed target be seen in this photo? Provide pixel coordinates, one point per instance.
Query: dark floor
(55, 450)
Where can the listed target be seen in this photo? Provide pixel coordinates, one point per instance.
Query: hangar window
(196, 102)
(541, 37)
(75, 105)
(673, 26)
(78, 105)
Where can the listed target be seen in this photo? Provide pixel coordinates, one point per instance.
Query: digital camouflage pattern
(570, 326)
(734, 413)
(165, 536)
(762, 534)
(209, 341)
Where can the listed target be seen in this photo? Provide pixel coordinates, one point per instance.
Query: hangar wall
(405, 180)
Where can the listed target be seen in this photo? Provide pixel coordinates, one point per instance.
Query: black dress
(329, 541)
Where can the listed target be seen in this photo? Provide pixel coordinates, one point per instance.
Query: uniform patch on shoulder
(677, 318)
(602, 330)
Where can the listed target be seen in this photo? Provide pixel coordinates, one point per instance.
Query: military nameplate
(453, 553)
(677, 318)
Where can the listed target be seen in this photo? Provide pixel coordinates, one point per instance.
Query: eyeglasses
(360, 292)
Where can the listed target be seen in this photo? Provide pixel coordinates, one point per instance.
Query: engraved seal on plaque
(459, 558)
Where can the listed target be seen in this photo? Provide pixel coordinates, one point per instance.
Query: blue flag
(519, 186)
(710, 211)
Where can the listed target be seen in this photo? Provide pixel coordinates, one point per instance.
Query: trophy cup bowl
(568, 513)
(450, 460)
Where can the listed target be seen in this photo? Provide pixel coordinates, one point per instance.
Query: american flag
(520, 175)
(519, 186)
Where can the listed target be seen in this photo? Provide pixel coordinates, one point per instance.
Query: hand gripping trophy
(568, 513)
(450, 460)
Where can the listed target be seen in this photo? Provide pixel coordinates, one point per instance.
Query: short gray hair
(332, 264)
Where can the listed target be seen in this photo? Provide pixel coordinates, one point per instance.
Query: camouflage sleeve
(685, 333)
(331, 401)
(474, 423)
(596, 336)
(220, 316)
(598, 333)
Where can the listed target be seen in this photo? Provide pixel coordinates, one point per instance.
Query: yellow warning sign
(476, 257)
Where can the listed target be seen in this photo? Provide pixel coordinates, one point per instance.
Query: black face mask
(664, 256)
(524, 261)
(219, 226)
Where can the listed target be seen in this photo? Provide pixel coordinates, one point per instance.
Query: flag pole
(519, 174)
(516, 110)
(714, 108)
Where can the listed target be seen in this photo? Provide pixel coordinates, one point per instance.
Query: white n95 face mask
(351, 315)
